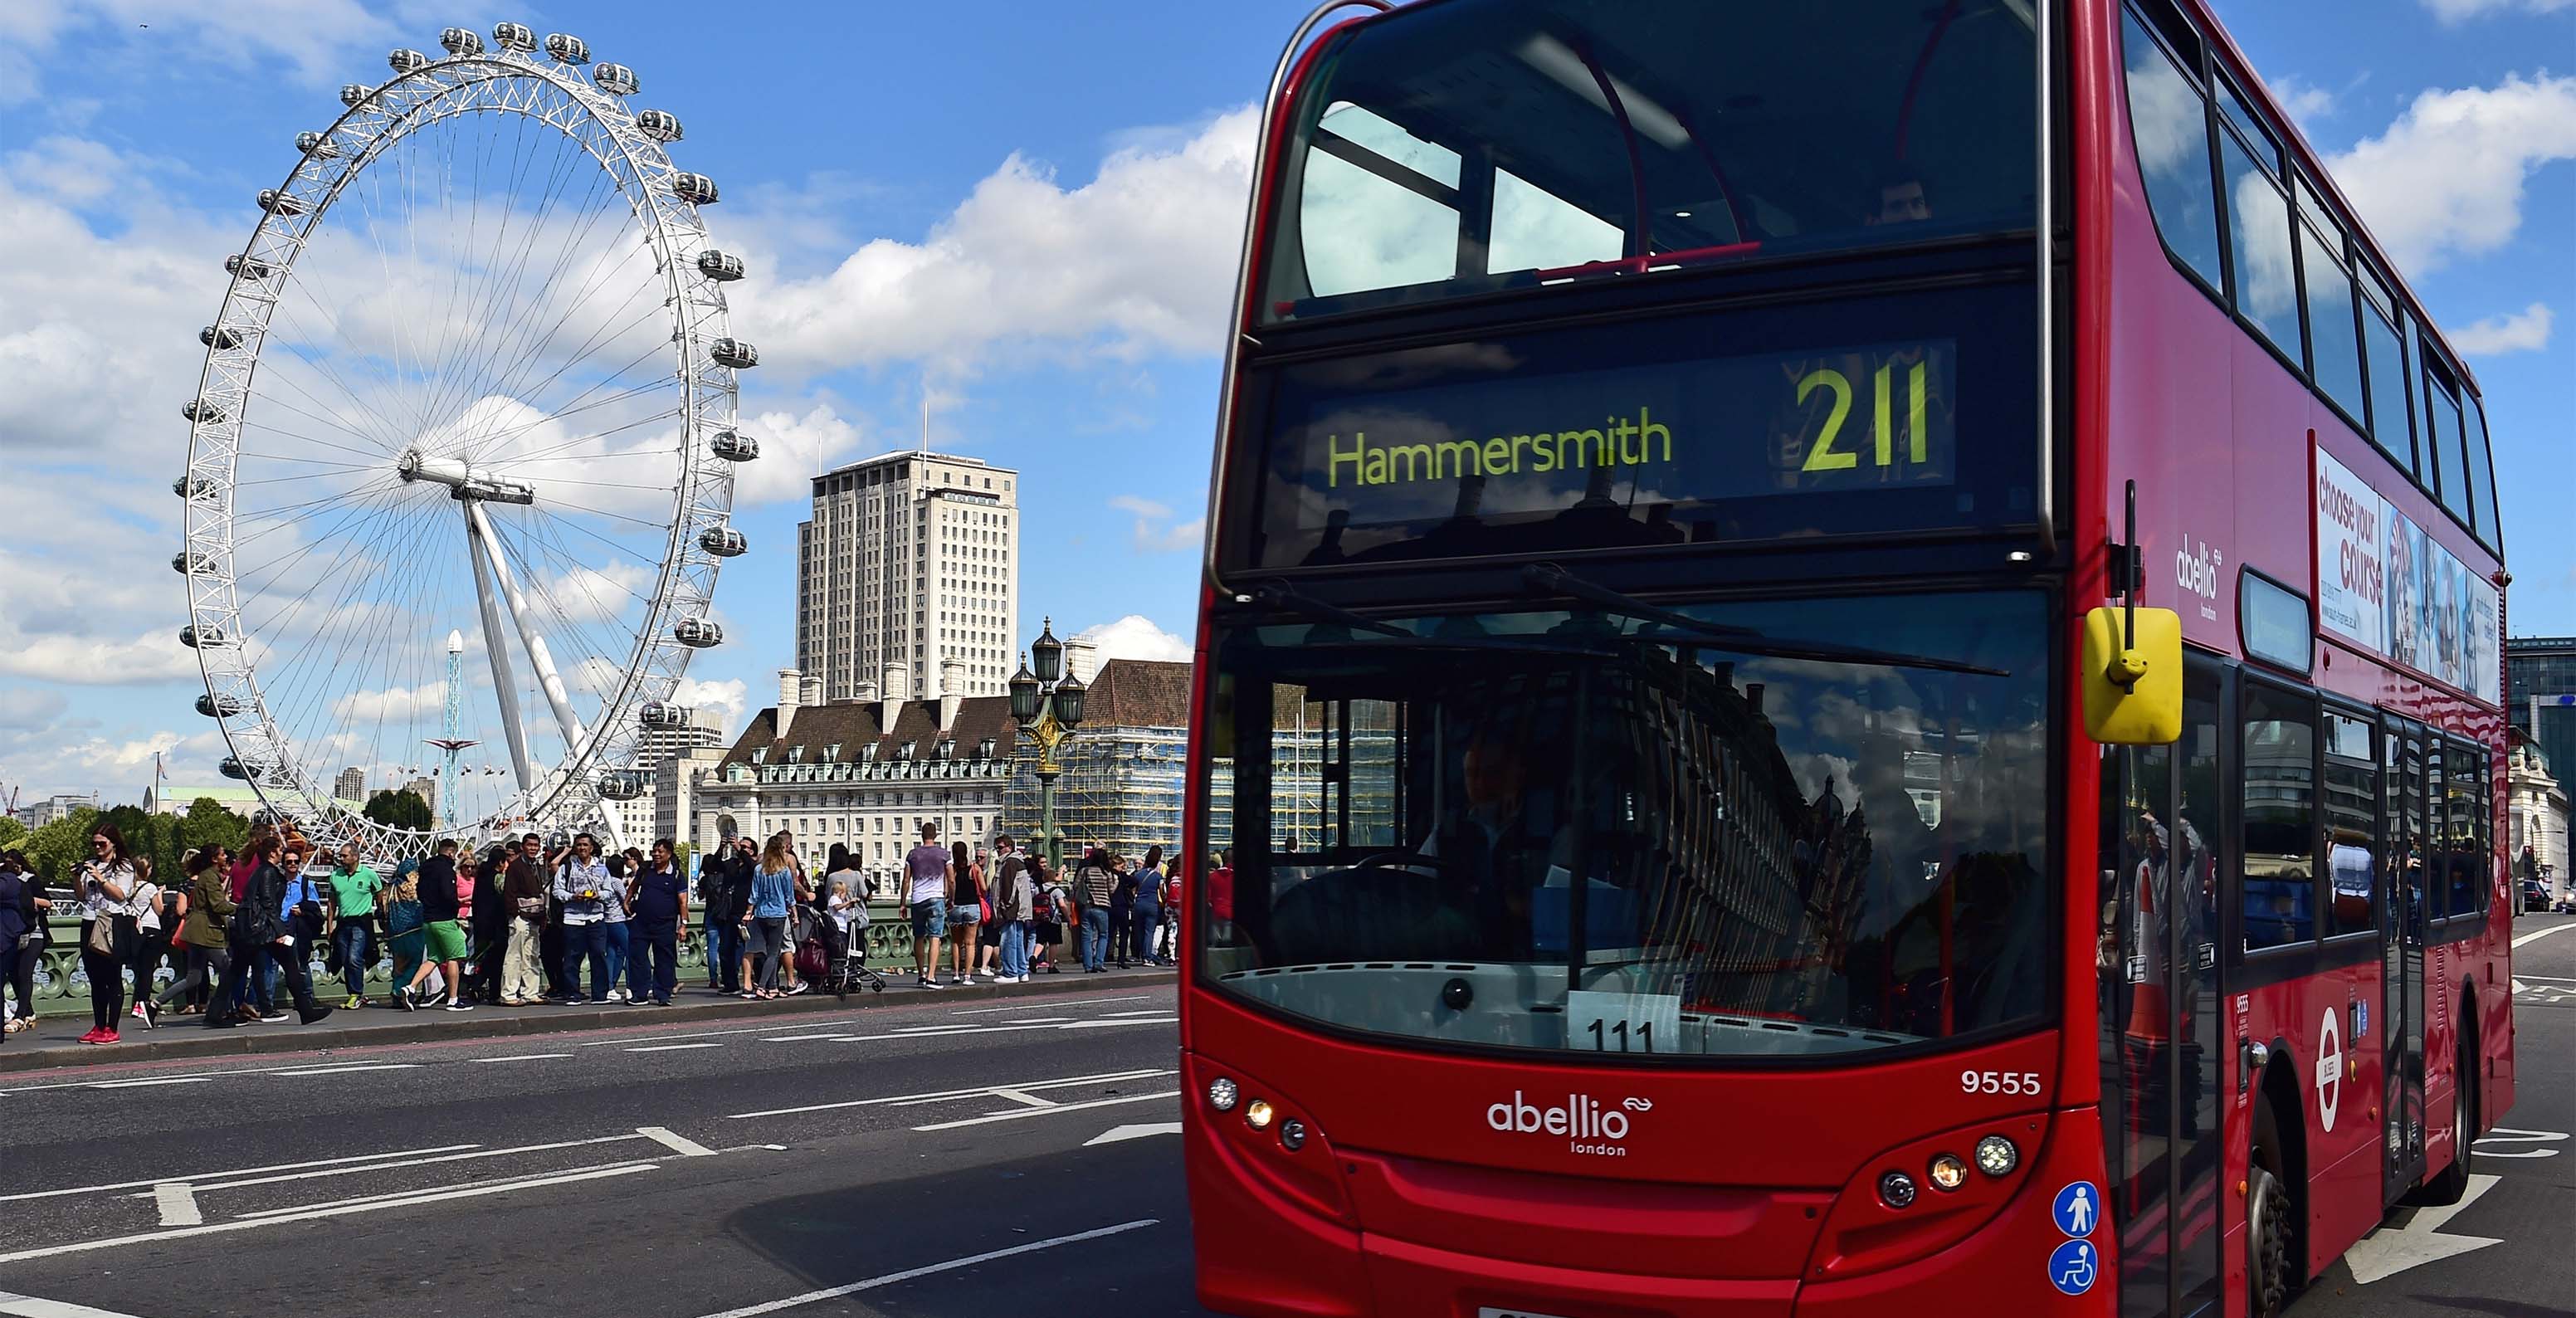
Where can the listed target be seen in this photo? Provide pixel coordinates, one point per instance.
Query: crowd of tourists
(524, 924)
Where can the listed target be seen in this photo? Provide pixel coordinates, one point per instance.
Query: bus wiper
(1543, 578)
(1279, 596)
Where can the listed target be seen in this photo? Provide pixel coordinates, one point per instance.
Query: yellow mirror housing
(2132, 686)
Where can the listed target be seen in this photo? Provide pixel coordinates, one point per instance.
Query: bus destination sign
(1484, 440)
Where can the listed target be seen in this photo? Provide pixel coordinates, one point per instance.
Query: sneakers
(105, 1036)
(137, 1013)
(925, 981)
(458, 1004)
(801, 986)
(272, 1017)
(92, 1036)
(312, 1014)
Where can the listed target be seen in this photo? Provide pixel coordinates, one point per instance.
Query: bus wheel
(2267, 1225)
(2448, 1187)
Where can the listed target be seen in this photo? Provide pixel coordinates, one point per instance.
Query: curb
(502, 1022)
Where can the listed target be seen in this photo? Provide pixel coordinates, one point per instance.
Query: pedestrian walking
(407, 937)
(659, 895)
(259, 921)
(201, 927)
(581, 884)
(965, 912)
(1093, 886)
(524, 889)
(727, 902)
(442, 898)
(492, 919)
(356, 891)
(154, 922)
(22, 941)
(773, 891)
(305, 909)
(930, 874)
(106, 884)
(1014, 896)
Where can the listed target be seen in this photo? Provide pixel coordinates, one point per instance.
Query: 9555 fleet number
(1999, 1082)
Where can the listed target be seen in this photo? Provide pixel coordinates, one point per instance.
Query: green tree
(12, 833)
(399, 808)
(209, 824)
(58, 847)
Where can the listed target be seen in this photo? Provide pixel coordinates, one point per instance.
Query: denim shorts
(930, 918)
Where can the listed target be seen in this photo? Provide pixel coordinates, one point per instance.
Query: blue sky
(1029, 211)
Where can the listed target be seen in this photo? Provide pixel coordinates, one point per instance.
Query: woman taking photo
(201, 929)
(106, 885)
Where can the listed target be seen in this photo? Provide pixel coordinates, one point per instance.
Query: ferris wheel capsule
(316, 146)
(723, 267)
(698, 633)
(198, 409)
(219, 336)
(407, 61)
(215, 706)
(695, 189)
(231, 767)
(733, 352)
(615, 79)
(190, 487)
(246, 267)
(621, 784)
(190, 637)
(722, 541)
(353, 92)
(660, 125)
(460, 41)
(279, 203)
(567, 48)
(735, 446)
(513, 36)
(662, 714)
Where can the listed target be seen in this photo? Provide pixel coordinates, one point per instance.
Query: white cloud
(2523, 331)
(2460, 11)
(792, 449)
(727, 698)
(318, 38)
(1156, 531)
(1137, 637)
(2447, 177)
(1138, 260)
(2306, 101)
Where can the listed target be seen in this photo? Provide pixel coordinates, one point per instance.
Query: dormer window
(832, 753)
(795, 755)
(868, 753)
(904, 752)
(984, 749)
(760, 755)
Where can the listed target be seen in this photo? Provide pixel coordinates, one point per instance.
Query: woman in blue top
(1145, 909)
(773, 888)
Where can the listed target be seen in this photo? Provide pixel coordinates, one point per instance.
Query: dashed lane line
(673, 1047)
(952, 1095)
(1016, 1114)
(29, 1306)
(1022, 1006)
(202, 1177)
(521, 1057)
(2537, 934)
(933, 1269)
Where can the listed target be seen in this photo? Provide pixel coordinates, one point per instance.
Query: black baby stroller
(835, 961)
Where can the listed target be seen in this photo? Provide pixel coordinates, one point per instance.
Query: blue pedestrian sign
(2073, 1267)
(2078, 1209)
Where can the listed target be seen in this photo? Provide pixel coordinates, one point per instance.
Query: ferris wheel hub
(468, 482)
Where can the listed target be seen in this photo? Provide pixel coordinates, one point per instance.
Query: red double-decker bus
(1850, 665)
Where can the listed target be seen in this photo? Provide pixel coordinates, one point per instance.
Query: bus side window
(2352, 835)
(2279, 857)
(2169, 128)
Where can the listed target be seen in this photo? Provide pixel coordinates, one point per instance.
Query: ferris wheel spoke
(308, 679)
(322, 412)
(599, 338)
(521, 350)
(477, 378)
(633, 392)
(298, 346)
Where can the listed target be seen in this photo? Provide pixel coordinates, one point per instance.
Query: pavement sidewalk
(55, 1042)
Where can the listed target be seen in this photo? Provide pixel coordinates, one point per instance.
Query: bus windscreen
(1451, 149)
(1764, 833)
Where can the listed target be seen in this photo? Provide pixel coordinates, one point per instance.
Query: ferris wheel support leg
(548, 679)
(504, 688)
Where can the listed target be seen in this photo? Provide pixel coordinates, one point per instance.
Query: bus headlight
(1949, 1172)
(1997, 1156)
(1258, 1113)
(1221, 1094)
(1897, 1190)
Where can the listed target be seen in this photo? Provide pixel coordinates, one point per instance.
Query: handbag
(101, 937)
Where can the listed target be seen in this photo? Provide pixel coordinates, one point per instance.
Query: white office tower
(911, 559)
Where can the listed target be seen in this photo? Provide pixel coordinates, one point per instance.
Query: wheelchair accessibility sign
(2073, 1267)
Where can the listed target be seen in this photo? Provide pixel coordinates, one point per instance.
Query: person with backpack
(443, 893)
(1050, 906)
(208, 905)
(157, 912)
(262, 921)
(1095, 886)
(1013, 897)
(726, 903)
(1145, 907)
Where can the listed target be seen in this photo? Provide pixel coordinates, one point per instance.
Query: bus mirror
(2132, 675)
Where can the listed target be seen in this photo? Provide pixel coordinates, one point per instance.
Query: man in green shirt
(355, 891)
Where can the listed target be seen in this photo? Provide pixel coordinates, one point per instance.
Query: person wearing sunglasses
(108, 929)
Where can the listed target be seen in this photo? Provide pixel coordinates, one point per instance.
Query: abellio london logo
(1587, 1124)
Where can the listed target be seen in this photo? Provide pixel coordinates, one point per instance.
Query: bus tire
(2268, 1224)
(2453, 1182)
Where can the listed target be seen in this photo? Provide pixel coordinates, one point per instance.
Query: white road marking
(351, 1069)
(391, 1164)
(499, 1182)
(803, 1038)
(673, 1047)
(1021, 1096)
(523, 1057)
(933, 1269)
(1087, 1002)
(201, 1177)
(2537, 934)
(2508, 1135)
(1113, 1024)
(174, 1079)
(178, 1204)
(1017, 1113)
(948, 1095)
(1119, 1134)
(2383, 1254)
(2554, 979)
(28, 1306)
(1037, 1020)
(304, 1214)
(145, 1084)
(679, 1144)
(1147, 1011)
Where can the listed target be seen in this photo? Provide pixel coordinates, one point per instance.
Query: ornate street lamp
(1047, 704)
